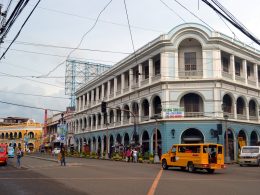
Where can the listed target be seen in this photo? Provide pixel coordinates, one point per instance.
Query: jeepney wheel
(190, 167)
(164, 164)
(259, 162)
(211, 171)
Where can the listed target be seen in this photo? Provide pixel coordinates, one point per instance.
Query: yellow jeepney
(194, 156)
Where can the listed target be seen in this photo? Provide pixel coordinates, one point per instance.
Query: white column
(77, 104)
(96, 121)
(97, 94)
(232, 64)
(115, 86)
(256, 74)
(140, 70)
(91, 124)
(84, 101)
(92, 97)
(122, 83)
(235, 110)
(151, 74)
(108, 89)
(247, 112)
(245, 70)
(130, 79)
(102, 91)
(80, 103)
(88, 99)
(176, 64)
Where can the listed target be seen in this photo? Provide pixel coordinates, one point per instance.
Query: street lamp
(156, 156)
(227, 157)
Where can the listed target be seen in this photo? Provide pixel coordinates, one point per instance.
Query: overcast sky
(64, 22)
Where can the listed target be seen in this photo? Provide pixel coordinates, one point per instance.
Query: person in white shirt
(135, 155)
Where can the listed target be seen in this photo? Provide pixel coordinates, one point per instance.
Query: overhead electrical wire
(16, 36)
(36, 95)
(66, 47)
(82, 38)
(230, 18)
(26, 106)
(165, 4)
(194, 15)
(130, 31)
(10, 75)
(103, 21)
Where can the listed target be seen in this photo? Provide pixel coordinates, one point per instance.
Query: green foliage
(146, 156)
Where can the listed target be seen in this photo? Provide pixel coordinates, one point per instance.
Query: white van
(250, 155)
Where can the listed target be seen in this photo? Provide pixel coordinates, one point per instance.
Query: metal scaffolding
(79, 73)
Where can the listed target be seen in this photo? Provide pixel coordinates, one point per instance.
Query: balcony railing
(145, 82)
(156, 77)
(135, 86)
(226, 75)
(145, 118)
(240, 79)
(253, 118)
(118, 92)
(126, 89)
(195, 74)
(193, 114)
(251, 82)
(241, 116)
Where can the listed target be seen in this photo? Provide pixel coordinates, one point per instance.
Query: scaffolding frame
(79, 73)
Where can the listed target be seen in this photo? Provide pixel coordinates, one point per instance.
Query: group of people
(131, 154)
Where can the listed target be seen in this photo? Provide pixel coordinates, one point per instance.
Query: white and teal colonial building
(200, 82)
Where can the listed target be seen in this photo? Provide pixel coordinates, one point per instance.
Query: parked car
(10, 152)
(250, 155)
(56, 151)
(3, 154)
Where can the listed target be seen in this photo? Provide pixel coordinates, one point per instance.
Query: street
(91, 176)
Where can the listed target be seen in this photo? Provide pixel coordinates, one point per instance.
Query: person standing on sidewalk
(18, 156)
(135, 155)
(62, 155)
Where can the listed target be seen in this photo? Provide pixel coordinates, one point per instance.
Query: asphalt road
(89, 176)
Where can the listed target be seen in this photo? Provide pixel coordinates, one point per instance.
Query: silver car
(250, 155)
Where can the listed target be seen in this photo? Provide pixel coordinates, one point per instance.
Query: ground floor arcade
(168, 133)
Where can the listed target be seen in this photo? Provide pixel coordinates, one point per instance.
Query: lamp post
(227, 157)
(156, 156)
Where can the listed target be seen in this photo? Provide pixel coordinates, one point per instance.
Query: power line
(30, 80)
(172, 10)
(28, 94)
(26, 106)
(66, 47)
(55, 55)
(194, 15)
(82, 38)
(129, 27)
(230, 18)
(114, 23)
(16, 36)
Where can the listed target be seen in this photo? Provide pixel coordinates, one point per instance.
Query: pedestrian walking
(62, 157)
(128, 154)
(19, 156)
(135, 155)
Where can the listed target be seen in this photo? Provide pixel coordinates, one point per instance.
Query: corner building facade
(211, 78)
